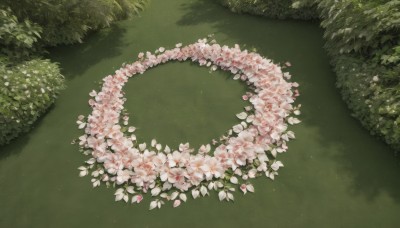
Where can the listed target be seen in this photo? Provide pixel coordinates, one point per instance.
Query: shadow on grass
(17, 145)
(76, 59)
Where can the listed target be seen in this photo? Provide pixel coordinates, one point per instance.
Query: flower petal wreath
(247, 150)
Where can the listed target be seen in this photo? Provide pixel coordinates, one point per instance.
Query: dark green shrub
(26, 91)
(68, 21)
(270, 8)
(17, 39)
(373, 94)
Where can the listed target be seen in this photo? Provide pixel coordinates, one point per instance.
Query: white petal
(174, 195)
(153, 205)
(119, 197)
(91, 161)
(183, 197)
(164, 195)
(292, 120)
(237, 128)
(290, 134)
(234, 180)
(134, 199)
(83, 173)
(272, 175)
(236, 77)
(177, 203)
(211, 185)
(130, 189)
(203, 190)
(155, 191)
(195, 193)
(274, 152)
(142, 146)
(222, 195)
(250, 119)
(119, 191)
(126, 198)
(167, 149)
(158, 147)
(230, 196)
(250, 187)
(242, 115)
(153, 143)
(219, 184)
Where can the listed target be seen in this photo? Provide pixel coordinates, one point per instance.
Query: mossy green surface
(335, 174)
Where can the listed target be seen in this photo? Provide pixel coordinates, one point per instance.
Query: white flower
(375, 78)
(131, 129)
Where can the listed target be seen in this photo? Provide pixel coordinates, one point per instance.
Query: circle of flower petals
(246, 151)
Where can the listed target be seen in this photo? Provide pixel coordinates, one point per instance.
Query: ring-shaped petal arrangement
(246, 151)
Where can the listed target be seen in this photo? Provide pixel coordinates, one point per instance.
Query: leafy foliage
(29, 87)
(68, 21)
(26, 91)
(270, 8)
(17, 39)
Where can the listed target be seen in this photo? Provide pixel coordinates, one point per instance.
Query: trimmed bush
(26, 92)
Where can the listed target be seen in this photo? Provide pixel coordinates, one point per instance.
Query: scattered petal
(222, 195)
(242, 115)
(177, 203)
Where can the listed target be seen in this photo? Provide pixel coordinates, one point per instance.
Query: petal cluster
(248, 150)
